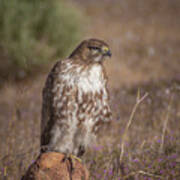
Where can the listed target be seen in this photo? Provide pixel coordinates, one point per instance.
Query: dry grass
(144, 36)
(145, 153)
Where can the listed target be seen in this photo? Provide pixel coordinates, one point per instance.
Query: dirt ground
(145, 40)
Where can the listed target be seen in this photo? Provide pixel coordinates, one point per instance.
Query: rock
(53, 166)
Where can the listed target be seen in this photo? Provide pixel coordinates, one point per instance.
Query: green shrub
(33, 32)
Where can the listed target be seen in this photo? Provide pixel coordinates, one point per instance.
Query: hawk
(75, 100)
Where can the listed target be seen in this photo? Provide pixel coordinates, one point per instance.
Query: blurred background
(145, 40)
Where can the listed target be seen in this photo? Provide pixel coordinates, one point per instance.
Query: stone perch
(52, 166)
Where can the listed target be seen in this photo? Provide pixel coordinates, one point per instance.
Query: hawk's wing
(47, 105)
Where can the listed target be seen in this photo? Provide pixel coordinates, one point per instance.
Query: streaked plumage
(75, 100)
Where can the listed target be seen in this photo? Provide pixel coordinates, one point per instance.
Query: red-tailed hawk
(75, 100)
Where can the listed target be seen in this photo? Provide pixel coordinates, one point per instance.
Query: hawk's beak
(106, 51)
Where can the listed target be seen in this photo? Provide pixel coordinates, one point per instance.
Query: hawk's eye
(94, 48)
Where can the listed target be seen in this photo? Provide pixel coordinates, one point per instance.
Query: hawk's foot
(75, 158)
(72, 160)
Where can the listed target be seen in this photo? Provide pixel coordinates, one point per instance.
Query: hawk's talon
(72, 159)
(76, 158)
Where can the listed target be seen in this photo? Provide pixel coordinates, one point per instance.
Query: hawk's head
(91, 50)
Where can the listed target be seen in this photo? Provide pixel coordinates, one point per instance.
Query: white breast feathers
(91, 80)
